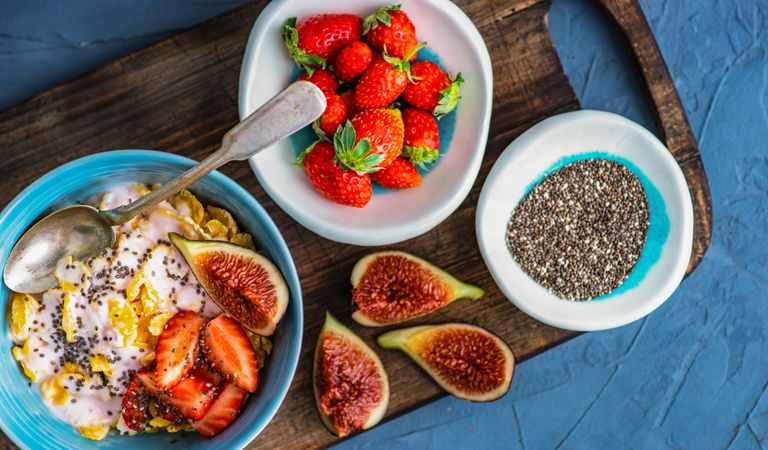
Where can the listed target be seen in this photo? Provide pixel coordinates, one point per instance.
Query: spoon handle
(289, 111)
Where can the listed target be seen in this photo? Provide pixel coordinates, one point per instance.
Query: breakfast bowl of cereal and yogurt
(185, 333)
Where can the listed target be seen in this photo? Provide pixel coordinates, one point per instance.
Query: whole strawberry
(316, 40)
(323, 79)
(401, 174)
(352, 61)
(391, 29)
(384, 80)
(349, 100)
(432, 90)
(333, 117)
(345, 187)
(421, 140)
(371, 140)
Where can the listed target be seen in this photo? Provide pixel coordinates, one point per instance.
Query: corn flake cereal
(194, 209)
(123, 318)
(243, 240)
(216, 229)
(224, 217)
(23, 307)
(68, 318)
(94, 432)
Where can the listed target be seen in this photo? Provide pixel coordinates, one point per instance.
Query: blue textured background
(691, 375)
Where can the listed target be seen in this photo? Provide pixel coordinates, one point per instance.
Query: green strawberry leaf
(421, 156)
(373, 160)
(449, 97)
(300, 159)
(382, 15)
(318, 131)
(304, 60)
(351, 155)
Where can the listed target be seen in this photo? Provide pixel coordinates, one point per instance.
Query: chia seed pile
(580, 231)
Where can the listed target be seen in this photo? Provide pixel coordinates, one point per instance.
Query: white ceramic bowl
(583, 135)
(391, 216)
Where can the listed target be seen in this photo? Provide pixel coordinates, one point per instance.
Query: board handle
(670, 115)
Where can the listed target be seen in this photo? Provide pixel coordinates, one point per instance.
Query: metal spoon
(84, 231)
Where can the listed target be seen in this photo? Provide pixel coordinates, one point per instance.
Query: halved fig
(242, 282)
(351, 386)
(467, 361)
(391, 287)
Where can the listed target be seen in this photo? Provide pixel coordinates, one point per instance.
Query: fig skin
(242, 307)
(441, 289)
(416, 342)
(334, 327)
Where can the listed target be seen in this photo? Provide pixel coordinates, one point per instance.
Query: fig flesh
(242, 282)
(467, 361)
(392, 287)
(351, 386)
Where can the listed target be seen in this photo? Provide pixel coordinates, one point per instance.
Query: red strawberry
(349, 100)
(323, 79)
(333, 117)
(192, 396)
(135, 406)
(195, 394)
(167, 411)
(223, 412)
(422, 140)
(432, 90)
(401, 174)
(316, 40)
(177, 348)
(230, 352)
(391, 29)
(331, 181)
(384, 80)
(382, 129)
(352, 61)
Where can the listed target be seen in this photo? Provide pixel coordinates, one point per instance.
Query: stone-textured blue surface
(691, 375)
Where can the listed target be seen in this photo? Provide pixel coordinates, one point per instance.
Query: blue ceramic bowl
(23, 415)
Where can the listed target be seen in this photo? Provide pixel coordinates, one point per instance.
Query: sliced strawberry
(194, 394)
(230, 352)
(190, 398)
(167, 411)
(135, 406)
(223, 412)
(177, 348)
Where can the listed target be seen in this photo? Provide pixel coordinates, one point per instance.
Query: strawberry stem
(304, 60)
(382, 15)
(449, 97)
(420, 156)
(355, 155)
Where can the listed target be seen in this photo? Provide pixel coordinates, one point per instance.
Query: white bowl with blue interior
(552, 144)
(391, 216)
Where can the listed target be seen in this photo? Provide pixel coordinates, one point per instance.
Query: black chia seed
(580, 231)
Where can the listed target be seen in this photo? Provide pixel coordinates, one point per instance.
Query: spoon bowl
(80, 231)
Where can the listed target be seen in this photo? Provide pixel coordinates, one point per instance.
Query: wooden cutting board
(180, 95)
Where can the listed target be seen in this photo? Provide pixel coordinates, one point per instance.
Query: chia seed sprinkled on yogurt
(580, 231)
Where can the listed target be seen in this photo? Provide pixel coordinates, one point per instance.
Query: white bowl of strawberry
(409, 94)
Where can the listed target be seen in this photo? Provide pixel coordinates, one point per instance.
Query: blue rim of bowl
(10, 213)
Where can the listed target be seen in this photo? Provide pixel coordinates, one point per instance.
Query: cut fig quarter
(391, 287)
(467, 361)
(245, 284)
(351, 386)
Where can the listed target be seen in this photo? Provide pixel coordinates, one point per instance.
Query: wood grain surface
(180, 96)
